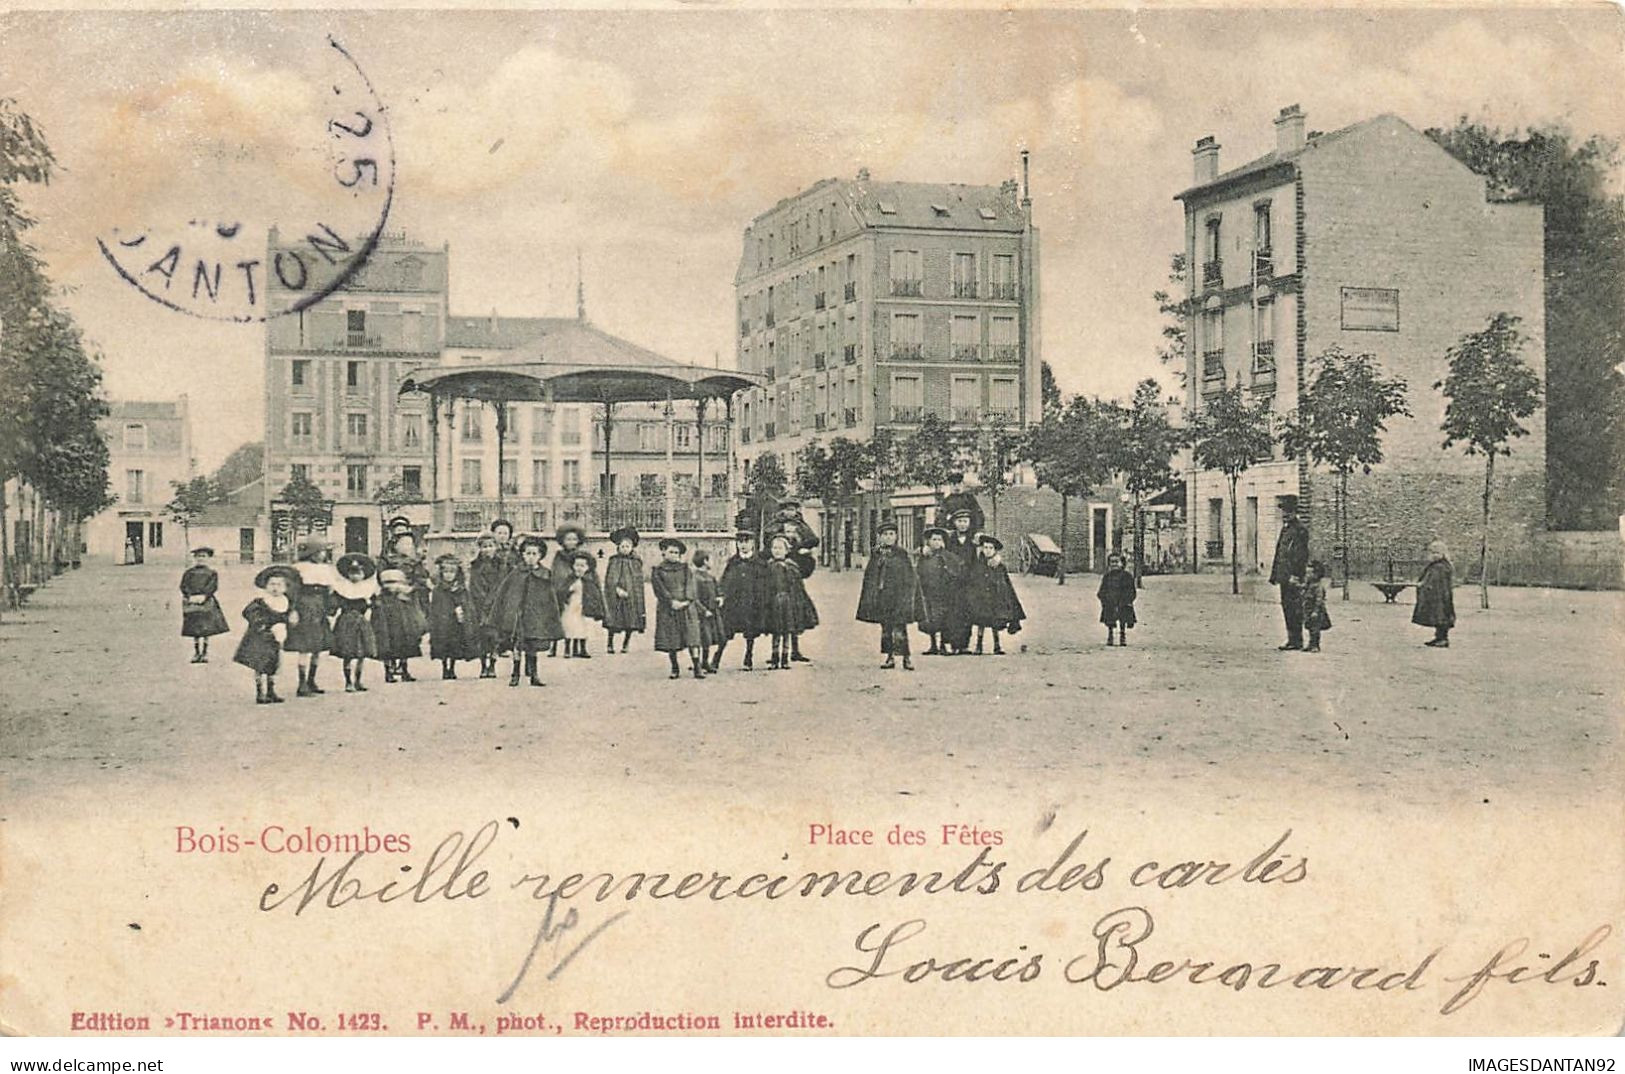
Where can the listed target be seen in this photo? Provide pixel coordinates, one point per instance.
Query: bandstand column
(671, 472)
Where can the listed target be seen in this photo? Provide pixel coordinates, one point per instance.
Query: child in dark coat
(526, 609)
(891, 596)
(677, 613)
(743, 594)
(201, 617)
(1117, 592)
(1436, 597)
(452, 631)
(312, 634)
(269, 615)
(941, 580)
(570, 536)
(581, 602)
(790, 610)
(355, 641)
(624, 608)
(989, 597)
(485, 574)
(399, 623)
(709, 602)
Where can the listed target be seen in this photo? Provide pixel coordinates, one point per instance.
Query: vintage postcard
(853, 521)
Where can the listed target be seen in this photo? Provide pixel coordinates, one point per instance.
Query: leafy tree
(1049, 392)
(392, 495)
(885, 460)
(930, 453)
(1574, 182)
(191, 499)
(1175, 306)
(832, 476)
(1144, 454)
(1490, 390)
(308, 509)
(1339, 423)
(243, 466)
(765, 485)
(991, 450)
(1071, 452)
(1230, 435)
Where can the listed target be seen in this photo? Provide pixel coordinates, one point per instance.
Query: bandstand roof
(570, 361)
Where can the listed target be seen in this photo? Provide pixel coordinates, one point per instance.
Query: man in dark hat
(1287, 570)
(891, 596)
(960, 499)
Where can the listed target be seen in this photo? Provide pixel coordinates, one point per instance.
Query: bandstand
(581, 366)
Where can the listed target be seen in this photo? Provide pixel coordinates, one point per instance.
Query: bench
(1390, 590)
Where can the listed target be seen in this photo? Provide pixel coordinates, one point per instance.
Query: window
(906, 398)
(1261, 228)
(135, 437)
(135, 486)
(572, 476)
(650, 485)
(1003, 333)
(1371, 309)
(299, 473)
(355, 479)
(1004, 276)
(412, 430)
(541, 477)
(967, 336)
(472, 483)
(907, 336)
(541, 425)
(473, 423)
(965, 397)
(850, 292)
(301, 426)
(412, 330)
(907, 272)
(1211, 247)
(510, 477)
(356, 327)
(155, 534)
(964, 275)
(299, 372)
(1002, 398)
(412, 480)
(1213, 346)
(571, 426)
(353, 382)
(685, 437)
(649, 436)
(355, 429)
(1215, 527)
(820, 239)
(1264, 345)
(510, 424)
(719, 485)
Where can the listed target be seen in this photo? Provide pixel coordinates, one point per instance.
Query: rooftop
(1274, 158)
(130, 409)
(962, 206)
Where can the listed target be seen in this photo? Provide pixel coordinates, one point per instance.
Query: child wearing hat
(989, 597)
(570, 536)
(624, 608)
(941, 580)
(677, 616)
(961, 544)
(269, 616)
(891, 596)
(485, 574)
(506, 554)
(1116, 594)
(526, 610)
(354, 639)
(452, 628)
(312, 634)
(581, 602)
(1316, 581)
(709, 602)
(1436, 597)
(399, 621)
(201, 617)
(790, 610)
(743, 598)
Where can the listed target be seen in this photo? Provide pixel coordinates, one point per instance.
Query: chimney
(1206, 155)
(863, 175)
(1289, 130)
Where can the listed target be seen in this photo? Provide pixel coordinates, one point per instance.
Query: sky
(649, 139)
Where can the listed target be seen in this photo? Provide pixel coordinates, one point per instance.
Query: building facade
(149, 445)
(332, 371)
(869, 305)
(1375, 240)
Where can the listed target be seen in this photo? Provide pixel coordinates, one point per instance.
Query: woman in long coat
(201, 617)
(1436, 597)
(312, 634)
(624, 606)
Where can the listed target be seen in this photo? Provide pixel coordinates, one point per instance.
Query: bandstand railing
(690, 513)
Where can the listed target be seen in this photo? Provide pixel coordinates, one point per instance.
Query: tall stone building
(1373, 239)
(149, 447)
(870, 304)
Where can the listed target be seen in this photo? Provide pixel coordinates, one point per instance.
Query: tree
(885, 460)
(1229, 435)
(391, 496)
(1175, 305)
(308, 510)
(765, 483)
(1144, 453)
(191, 499)
(1574, 182)
(832, 476)
(1339, 423)
(243, 466)
(1049, 392)
(930, 454)
(991, 450)
(1071, 453)
(1490, 390)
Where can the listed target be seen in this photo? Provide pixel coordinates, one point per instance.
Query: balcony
(964, 288)
(907, 352)
(1214, 549)
(770, 319)
(1001, 415)
(1263, 263)
(819, 422)
(850, 415)
(967, 415)
(1213, 365)
(908, 288)
(1264, 361)
(849, 293)
(818, 301)
(1002, 289)
(1213, 273)
(818, 361)
(908, 415)
(744, 434)
(1006, 352)
(967, 352)
(850, 353)
(360, 339)
(769, 431)
(771, 374)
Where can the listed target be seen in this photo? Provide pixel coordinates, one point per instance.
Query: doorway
(245, 544)
(355, 535)
(134, 549)
(1099, 538)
